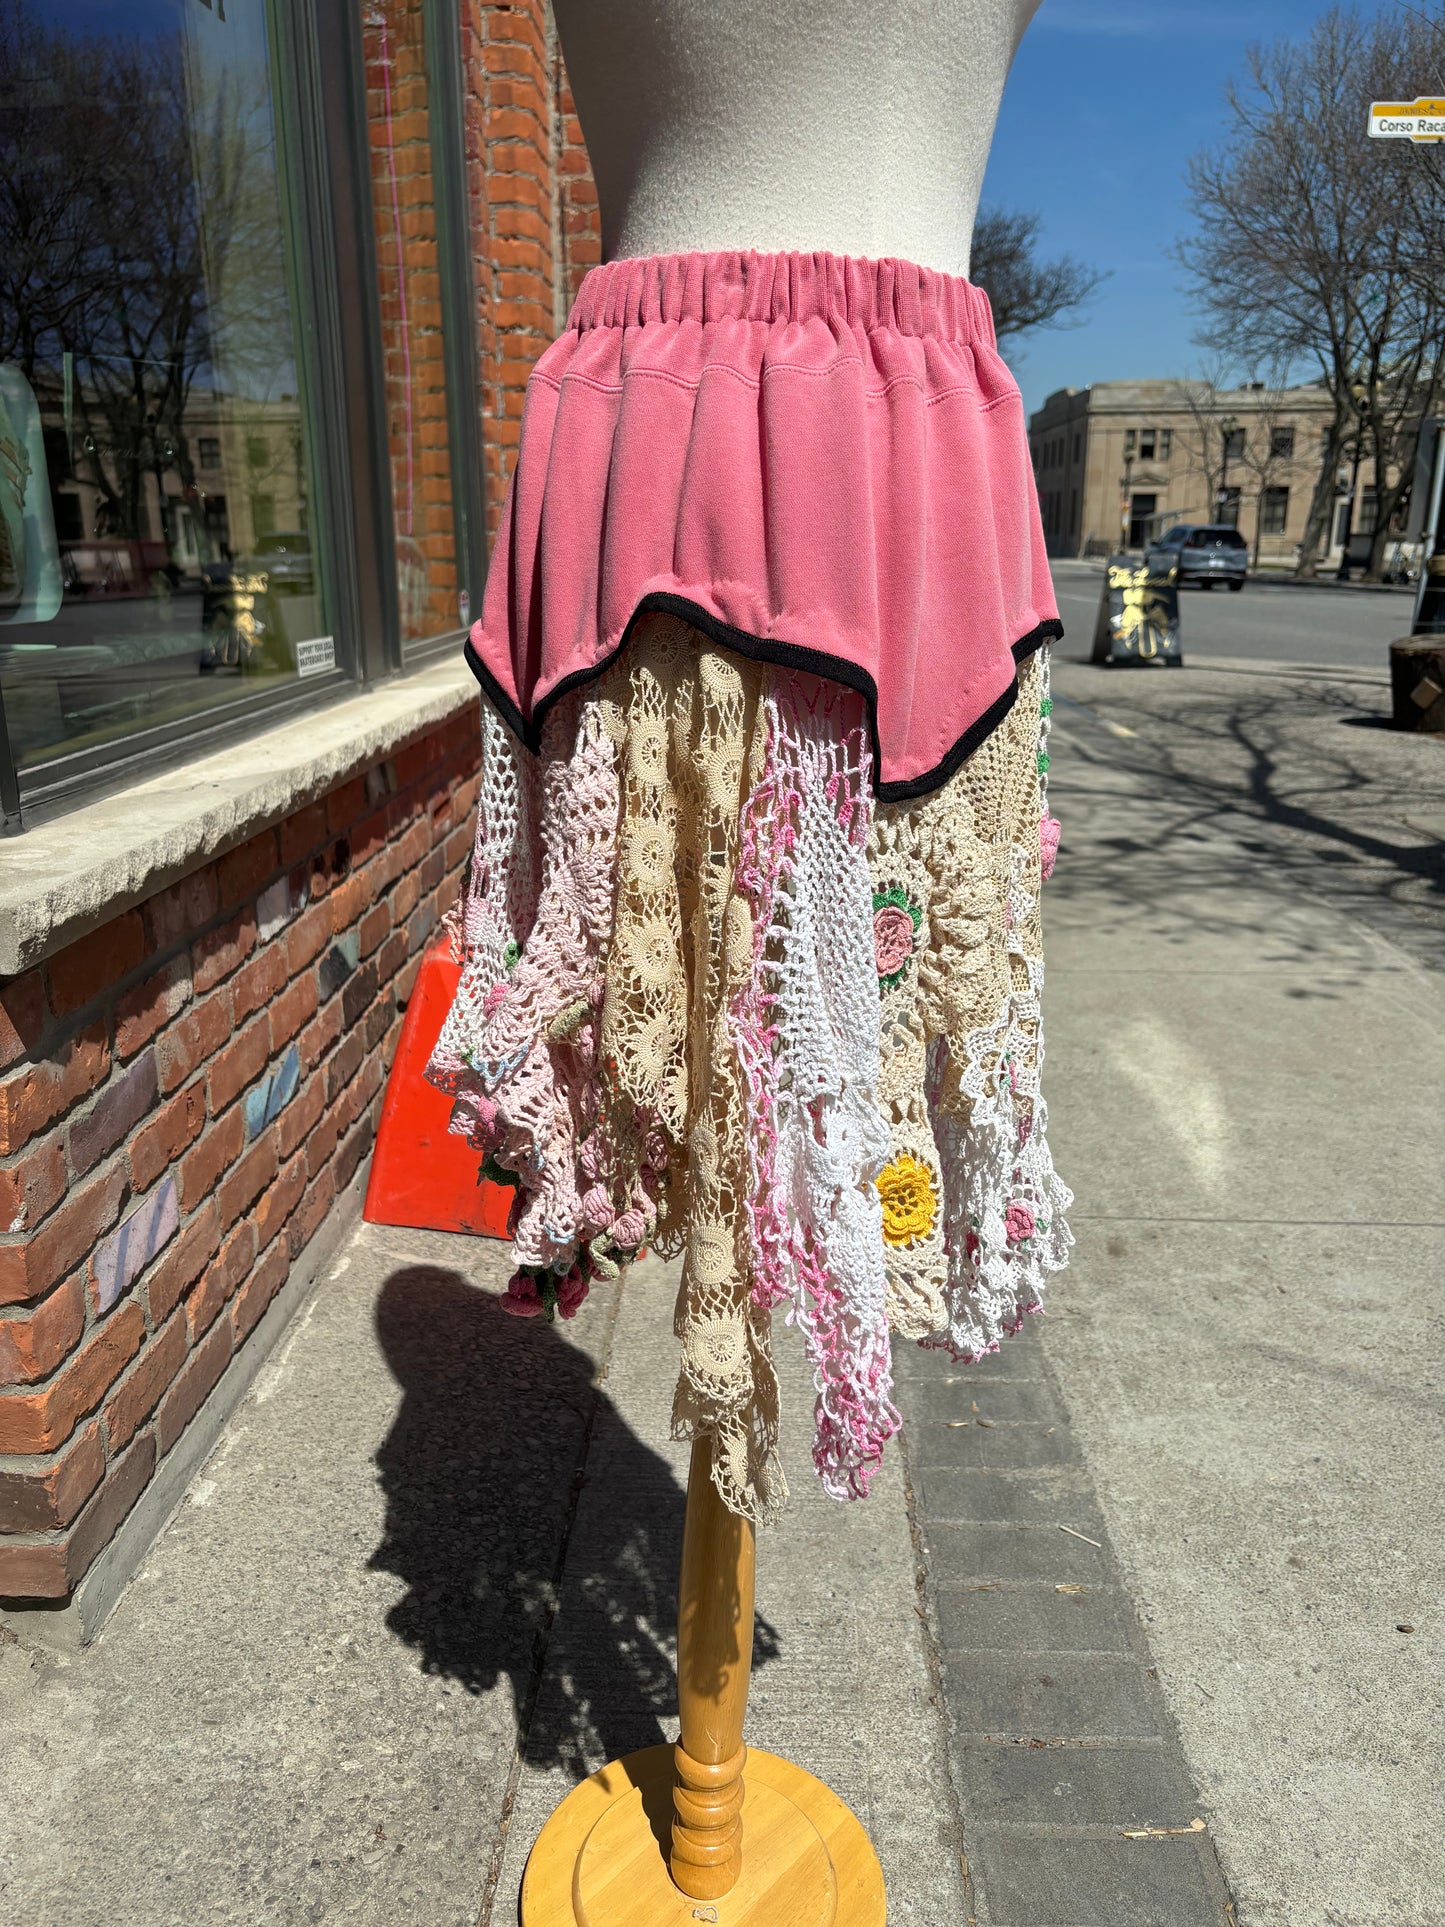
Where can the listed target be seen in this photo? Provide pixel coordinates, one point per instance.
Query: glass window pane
(154, 477)
(404, 210)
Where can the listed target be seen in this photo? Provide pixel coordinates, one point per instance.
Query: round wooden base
(601, 1860)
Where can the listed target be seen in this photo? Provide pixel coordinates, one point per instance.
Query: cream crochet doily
(717, 1001)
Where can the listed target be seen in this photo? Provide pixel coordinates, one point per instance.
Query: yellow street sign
(1407, 120)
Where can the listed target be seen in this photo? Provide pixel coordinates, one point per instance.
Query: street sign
(1420, 119)
(1138, 616)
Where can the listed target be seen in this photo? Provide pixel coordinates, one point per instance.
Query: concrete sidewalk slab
(311, 1688)
(1244, 1074)
(426, 1582)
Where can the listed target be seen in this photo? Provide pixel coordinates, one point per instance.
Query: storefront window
(156, 526)
(405, 216)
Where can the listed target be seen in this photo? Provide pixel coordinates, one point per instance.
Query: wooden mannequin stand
(661, 1838)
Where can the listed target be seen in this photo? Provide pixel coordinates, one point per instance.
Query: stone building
(1120, 462)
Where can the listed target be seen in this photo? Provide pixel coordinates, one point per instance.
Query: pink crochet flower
(492, 1001)
(597, 1212)
(522, 1298)
(630, 1229)
(571, 1290)
(1019, 1223)
(1049, 827)
(892, 938)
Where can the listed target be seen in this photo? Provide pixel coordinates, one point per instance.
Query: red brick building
(210, 946)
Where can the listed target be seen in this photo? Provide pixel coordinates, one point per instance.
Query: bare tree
(140, 249)
(1266, 450)
(1025, 292)
(1201, 432)
(1313, 246)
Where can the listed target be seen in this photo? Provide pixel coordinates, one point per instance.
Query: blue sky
(1105, 104)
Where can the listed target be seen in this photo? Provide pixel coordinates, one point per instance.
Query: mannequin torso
(790, 124)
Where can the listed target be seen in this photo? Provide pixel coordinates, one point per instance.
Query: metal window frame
(319, 108)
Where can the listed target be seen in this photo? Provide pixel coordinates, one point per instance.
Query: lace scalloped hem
(718, 1000)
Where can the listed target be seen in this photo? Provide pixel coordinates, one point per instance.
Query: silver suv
(1202, 554)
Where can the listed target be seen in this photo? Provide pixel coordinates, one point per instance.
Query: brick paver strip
(1061, 1744)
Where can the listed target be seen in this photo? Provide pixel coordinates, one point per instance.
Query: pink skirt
(818, 462)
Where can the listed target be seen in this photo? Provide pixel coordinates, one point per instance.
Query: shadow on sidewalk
(1256, 788)
(482, 1472)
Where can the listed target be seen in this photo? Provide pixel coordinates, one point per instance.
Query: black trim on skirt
(788, 655)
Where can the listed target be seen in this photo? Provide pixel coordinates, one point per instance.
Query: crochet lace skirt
(719, 1001)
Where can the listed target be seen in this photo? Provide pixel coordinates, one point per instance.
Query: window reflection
(404, 214)
(154, 479)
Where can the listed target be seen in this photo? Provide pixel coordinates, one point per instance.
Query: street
(1267, 621)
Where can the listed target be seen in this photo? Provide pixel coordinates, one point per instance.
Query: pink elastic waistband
(818, 462)
(774, 288)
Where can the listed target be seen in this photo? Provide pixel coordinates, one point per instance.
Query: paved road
(1269, 621)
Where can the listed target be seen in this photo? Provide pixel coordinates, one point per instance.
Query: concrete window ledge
(67, 877)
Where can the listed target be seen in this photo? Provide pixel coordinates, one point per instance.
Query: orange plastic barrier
(420, 1174)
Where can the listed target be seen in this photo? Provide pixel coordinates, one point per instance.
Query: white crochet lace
(806, 1030)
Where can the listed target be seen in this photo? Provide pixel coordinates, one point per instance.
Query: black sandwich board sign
(1138, 616)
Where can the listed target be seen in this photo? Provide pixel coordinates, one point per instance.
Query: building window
(1368, 511)
(1146, 444)
(151, 347)
(1226, 514)
(404, 215)
(1166, 442)
(1234, 445)
(1130, 441)
(1074, 512)
(1274, 511)
(1281, 444)
(199, 530)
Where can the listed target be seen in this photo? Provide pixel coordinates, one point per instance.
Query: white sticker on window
(313, 657)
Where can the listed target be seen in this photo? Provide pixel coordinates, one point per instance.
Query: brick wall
(182, 1095)
(534, 210)
(579, 220)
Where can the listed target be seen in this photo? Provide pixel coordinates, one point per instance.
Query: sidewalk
(428, 1577)
(427, 1582)
(1246, 1059)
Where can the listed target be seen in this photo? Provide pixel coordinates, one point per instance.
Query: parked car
(1202, 554)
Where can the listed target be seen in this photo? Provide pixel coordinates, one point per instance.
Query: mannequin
(814, 124)
(770, 127)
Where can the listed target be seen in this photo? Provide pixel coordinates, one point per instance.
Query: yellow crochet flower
(910, 1204)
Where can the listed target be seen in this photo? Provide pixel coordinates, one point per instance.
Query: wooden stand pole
(714, 1663)
(660, 1837)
